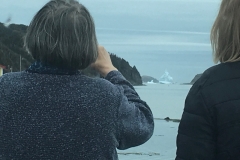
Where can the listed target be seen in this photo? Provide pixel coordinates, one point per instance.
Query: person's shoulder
(104, 83)
(218, 73)
(9, 77)
(208, 77)
(10, 81)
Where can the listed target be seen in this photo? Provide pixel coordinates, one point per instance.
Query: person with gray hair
(53, 111)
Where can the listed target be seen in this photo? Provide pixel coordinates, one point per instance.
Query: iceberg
(166, 78)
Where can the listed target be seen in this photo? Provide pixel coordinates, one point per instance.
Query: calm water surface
(165, 101)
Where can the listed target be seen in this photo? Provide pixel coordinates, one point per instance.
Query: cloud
(22, 11)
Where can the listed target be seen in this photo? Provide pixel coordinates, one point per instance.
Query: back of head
(62, 33)
(225, 34)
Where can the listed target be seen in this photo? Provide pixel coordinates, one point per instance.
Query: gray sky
(121, 11)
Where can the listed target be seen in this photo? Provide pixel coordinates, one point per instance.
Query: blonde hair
(225, 33)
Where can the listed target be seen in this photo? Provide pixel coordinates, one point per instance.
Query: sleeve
(135, 118)
(195, 139)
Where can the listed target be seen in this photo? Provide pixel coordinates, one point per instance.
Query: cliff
(195, 78)
(11, 47)
(130, 73)
(11, 42)
(146, 79)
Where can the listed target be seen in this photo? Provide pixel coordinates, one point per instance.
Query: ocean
(158, 35)
(165, 101)
(152, 52)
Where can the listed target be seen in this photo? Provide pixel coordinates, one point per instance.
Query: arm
(195, 139)
(135, 119)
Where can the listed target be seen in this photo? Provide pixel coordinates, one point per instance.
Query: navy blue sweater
(46, 116)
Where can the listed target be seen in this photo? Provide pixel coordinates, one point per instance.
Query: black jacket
(210, 124)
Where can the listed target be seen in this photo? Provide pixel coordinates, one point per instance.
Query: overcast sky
(141, 14)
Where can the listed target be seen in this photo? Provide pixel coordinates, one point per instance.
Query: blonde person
(51, 111)
(210, 124)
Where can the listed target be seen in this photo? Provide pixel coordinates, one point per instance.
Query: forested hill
(11, 47)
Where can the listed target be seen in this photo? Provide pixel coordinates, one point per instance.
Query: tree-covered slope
(11, 49)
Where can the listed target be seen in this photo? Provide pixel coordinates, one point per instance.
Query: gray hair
(62, 33)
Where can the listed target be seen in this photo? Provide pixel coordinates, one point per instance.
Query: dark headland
(11, 50)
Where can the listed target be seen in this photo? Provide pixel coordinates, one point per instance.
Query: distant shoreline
(168, 119)
(186, 84)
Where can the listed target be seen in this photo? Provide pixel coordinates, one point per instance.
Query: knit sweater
(75, 117)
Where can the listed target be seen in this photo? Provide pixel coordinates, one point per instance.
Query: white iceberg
(166, 78)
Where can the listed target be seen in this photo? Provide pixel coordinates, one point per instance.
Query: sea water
(165, 101)
(182, 54)
(158, 35)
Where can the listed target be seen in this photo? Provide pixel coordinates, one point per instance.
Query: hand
(103, 64)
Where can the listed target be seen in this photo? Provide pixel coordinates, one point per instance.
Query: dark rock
(130, 73)
(167, 119)
(146, 79)
(195, 78)
(172, 120)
